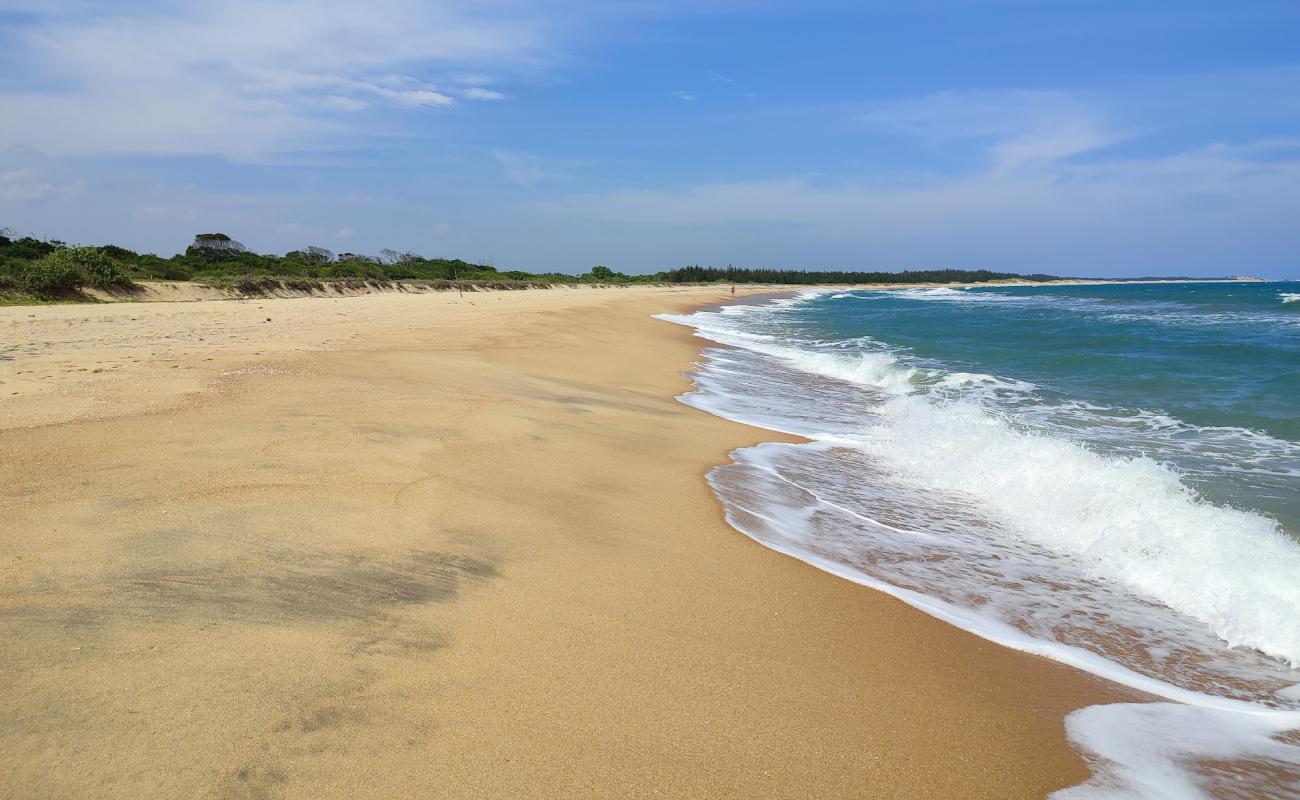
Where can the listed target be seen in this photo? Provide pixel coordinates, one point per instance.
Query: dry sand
(423, 546)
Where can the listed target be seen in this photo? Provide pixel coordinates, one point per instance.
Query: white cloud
(423, 97)
(1019, 127)
(24, 184)
(476, 93)
(473, 79)
(683, 95)
(243, 78)
(1031, 206)
(335, 102)
(27, 176)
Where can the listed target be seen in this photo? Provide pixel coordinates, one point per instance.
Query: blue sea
(1106, 475)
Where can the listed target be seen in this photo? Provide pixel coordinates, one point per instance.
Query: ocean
(1105, 475)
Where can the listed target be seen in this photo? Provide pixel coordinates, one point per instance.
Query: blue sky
(1081, 138)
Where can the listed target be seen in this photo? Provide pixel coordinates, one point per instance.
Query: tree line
(31, 267)
(53, 269)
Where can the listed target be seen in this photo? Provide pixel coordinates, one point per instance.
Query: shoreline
(1057, 282)
(420, 545)
(158, 291)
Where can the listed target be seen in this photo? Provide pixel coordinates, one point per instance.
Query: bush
(101, 271)
(151, 267)
(352, 269)
(68, 269)
(53, 275)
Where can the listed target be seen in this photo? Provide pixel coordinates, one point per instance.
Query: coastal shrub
(120, 254)
(355, 268)
(100, 269)
(23, 248)
(52, 268)
(64, 271)
(52, 275)
(151, 267)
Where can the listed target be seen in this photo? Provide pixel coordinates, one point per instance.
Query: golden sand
(402, 546)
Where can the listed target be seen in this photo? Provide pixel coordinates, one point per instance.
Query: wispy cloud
(26, 176)
(1031, 204)
(477, 93)
(243, 78)
(528, 169)
(24, 184)
(1017, 127)
(473, 79)
(521, 168)
(161, 118)
(1065, 196)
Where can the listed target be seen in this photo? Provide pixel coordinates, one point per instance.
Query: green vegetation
(59, 272)
(50, 270)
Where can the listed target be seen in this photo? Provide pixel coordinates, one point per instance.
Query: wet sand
(419, 545)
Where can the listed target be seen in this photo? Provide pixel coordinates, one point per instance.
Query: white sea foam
(938, 293)
(799, 297)
(876, 369)
(1134, 756)
(1111, 563)
(785, 516)
(967, 380)
(1113, 310)
(1130, 519)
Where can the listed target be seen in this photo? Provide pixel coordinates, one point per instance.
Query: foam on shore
(919, 483)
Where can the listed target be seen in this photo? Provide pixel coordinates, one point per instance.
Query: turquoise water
(1206, 376)
(1211, 354)
(1105, 475)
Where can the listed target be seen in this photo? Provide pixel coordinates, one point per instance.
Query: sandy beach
(437, 546)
